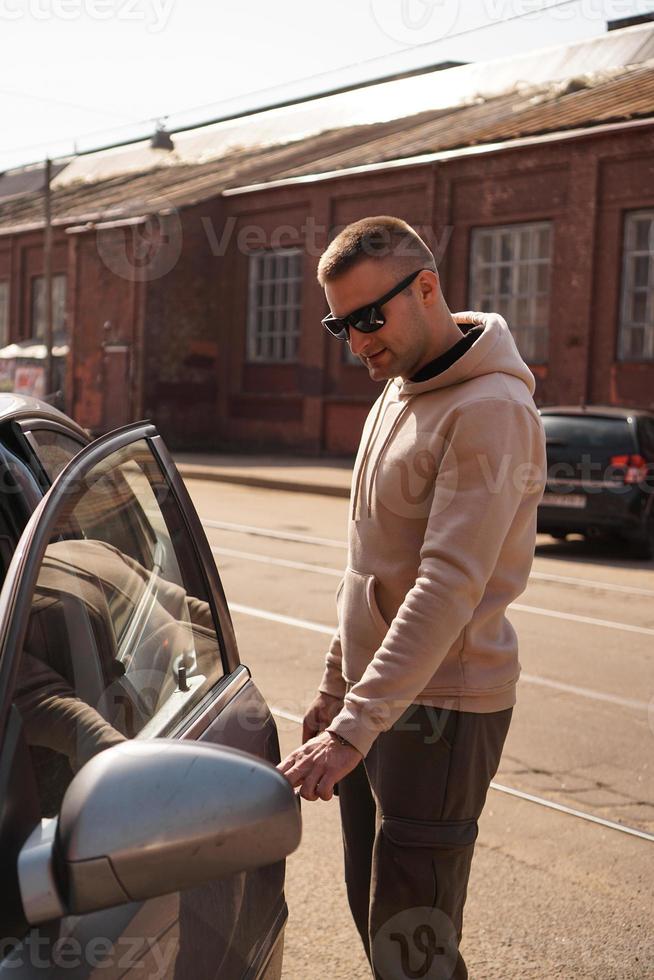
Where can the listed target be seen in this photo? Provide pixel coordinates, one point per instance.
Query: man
(416, 699)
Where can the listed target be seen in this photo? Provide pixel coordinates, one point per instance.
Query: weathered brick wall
(583, 186)
(104, 310)
(21, 260)
(183, 349)
(175, 291)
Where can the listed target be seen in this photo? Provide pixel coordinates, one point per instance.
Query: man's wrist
(342, 741)
(328, 690)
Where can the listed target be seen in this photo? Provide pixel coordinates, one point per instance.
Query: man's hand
(318, 764)
(320, 714)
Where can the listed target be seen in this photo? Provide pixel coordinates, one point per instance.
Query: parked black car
(137, 838)
(600, 474)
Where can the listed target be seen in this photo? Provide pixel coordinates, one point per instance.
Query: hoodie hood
(493, 352)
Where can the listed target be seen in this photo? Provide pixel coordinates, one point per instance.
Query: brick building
(185, 282)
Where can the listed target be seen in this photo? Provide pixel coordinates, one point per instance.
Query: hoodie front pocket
(362, 626)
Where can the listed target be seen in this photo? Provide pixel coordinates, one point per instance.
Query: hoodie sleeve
(489, 482)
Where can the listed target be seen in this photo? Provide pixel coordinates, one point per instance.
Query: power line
(69, 105)
(292, 101)
(407, 47)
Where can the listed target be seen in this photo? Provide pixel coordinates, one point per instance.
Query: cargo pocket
(425, 864)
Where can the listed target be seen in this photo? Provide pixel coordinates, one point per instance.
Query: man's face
(399, 348)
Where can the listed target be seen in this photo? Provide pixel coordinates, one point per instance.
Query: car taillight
(635, 467)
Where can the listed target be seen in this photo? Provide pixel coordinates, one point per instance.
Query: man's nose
(359, 341)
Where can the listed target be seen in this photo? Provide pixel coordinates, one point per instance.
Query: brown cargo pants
(409, 816)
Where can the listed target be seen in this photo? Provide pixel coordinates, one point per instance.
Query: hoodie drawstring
(381, 452)
(364, 458)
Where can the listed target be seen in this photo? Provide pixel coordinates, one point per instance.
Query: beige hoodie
(442, 529)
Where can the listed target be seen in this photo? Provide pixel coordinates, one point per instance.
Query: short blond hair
(379, 238)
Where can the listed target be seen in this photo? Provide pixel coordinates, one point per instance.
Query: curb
(191, 472)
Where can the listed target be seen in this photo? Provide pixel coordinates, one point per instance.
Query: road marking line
(528, 678)
(519, 606)
(585, 692)
(331, 543)
(589, 620)
(590, 583)
(280, 713)
(284, 562)
(262, 532)
(602, 821)
(519, 794)
(325, 570)
(303, 624)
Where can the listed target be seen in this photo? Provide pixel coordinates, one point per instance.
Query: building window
(274, 306)
(510, 275)
(38, 325)
(636, 338)
(4, 313)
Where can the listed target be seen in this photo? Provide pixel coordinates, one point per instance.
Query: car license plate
(576, 500)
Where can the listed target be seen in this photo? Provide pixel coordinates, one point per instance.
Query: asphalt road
(552, 894)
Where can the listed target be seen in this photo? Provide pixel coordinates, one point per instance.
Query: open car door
(114, 626)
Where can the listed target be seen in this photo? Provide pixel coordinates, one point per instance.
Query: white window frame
(4, 312)
(274, 306)
(525, 304)
(632, 253)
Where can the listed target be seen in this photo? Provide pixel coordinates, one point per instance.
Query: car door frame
(22, 575)
(26, 562)
(29, 424)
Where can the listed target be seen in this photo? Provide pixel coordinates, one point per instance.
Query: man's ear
(429, 285)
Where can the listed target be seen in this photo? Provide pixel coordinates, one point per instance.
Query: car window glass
(568, 435)
(114, 648)
(18, 482)
(19, 495)
(54, 449)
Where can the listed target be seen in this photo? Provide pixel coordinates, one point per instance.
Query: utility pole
(47, 278)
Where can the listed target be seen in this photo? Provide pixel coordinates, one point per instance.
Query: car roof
(612, 411)
(17, 406)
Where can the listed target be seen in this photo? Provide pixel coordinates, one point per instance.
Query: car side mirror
(145, 818)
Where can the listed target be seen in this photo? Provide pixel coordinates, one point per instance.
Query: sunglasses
(368, 318)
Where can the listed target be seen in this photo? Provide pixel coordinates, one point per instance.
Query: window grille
(38, 326)
(274, 306)
(636, 331)
(510, 275)
(4, 313)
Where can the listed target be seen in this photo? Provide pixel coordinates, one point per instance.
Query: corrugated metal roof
(628, 95)
(586, 101)
(26, 179)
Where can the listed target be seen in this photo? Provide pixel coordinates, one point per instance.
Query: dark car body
(600, 474)
(112, 609)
